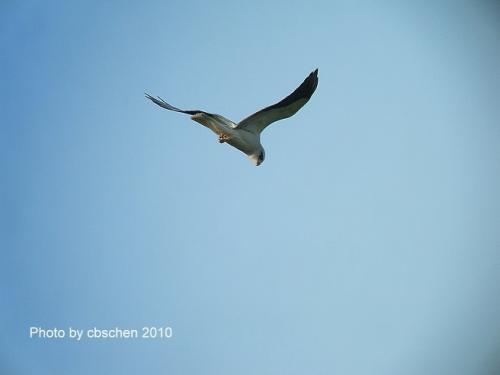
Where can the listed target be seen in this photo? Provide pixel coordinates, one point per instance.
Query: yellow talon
(224, 138)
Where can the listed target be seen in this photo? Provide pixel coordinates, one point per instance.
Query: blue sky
(366, 243)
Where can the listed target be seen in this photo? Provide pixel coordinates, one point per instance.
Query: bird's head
(258, 157)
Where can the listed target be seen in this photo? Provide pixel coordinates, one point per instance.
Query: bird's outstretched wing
(287, 107)
(217, 123)
(164, 104)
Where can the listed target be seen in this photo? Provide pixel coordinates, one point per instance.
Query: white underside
(243, 140)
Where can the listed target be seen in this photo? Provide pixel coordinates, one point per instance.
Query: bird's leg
(223, 137)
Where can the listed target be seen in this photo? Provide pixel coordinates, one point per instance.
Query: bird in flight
(245, 135)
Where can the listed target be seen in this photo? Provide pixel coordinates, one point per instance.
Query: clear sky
(366, 243)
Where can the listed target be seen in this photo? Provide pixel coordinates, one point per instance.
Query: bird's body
(245, 136)
(245, 141)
